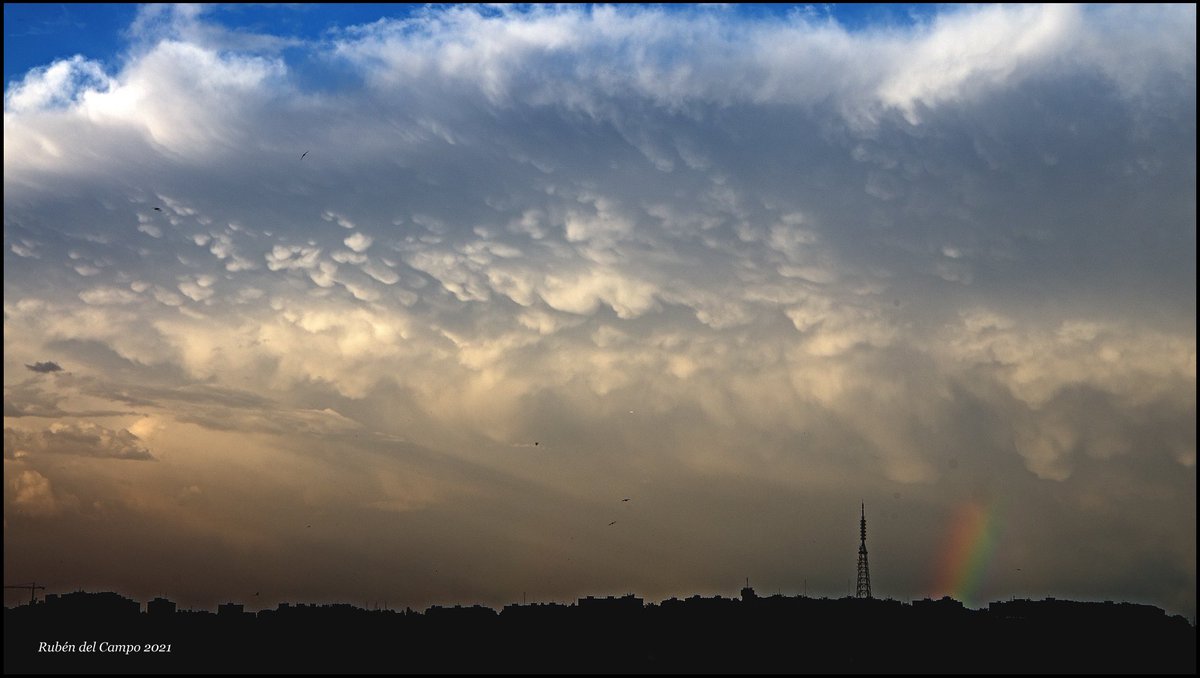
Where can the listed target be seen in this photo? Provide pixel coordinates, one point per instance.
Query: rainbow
(974, 531)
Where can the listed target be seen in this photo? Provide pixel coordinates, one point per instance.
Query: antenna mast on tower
(863, 590)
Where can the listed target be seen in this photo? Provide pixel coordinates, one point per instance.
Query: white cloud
(582, 293)
(977, 50)
(195, 291)
(323, 275)
(281, 257)
(107, 296)
(341, 221)
(23, 249)
(344, 257)
(358, 242)
(167, 297)
(56, 86)
(381, 272)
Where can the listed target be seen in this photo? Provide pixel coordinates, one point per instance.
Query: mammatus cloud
(945, 261)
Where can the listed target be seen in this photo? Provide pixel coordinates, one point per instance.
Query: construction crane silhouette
(32, 590)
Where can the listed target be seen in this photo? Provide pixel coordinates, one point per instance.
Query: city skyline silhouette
(94, 631)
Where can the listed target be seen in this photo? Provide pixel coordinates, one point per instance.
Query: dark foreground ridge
(107, 633)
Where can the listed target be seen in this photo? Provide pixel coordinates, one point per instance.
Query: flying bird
(157, 209)
(612, 523)
(625, 499)
(303, 154)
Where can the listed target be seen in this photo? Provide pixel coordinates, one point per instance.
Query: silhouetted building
(460, 613)
(535, 611)
(159, 607)
(82, 603)
(748, 594)
(626, 603)
(230, 610)
(943, 603)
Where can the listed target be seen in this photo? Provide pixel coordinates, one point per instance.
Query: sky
(437, 305)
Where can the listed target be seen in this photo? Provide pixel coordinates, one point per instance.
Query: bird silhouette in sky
(625, 499)
(303, 154)
(157, 209)
(612, 523)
